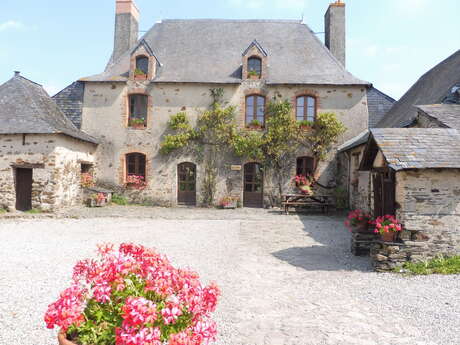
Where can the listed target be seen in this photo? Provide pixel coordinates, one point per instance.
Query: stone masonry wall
(50, 155)
(104, 117)
(429, 209)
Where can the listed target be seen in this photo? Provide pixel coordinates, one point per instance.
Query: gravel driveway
(286, 280)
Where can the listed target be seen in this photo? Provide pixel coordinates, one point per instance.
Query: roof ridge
(284, 21)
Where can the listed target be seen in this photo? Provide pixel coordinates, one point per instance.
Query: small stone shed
(415, 174)
(42, 154)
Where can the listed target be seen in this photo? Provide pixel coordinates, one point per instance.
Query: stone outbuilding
(42, 154)
(416, 176)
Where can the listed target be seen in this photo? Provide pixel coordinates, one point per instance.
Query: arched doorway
(186, 184)
(253, 195)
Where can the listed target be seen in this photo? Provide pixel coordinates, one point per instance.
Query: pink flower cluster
(357, 217)
(386, 224)
(143, 320)
(136, 181)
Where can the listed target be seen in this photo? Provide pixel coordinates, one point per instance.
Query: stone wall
(104, 117)
(56, 162)
(428, 204)
(357, 183)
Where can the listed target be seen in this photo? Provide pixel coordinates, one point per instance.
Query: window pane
(310, 114)
(299, 113)
(142, 63)
(255, 64)
(300, 101)
(311, 101)
(261, 109)
(249, 109)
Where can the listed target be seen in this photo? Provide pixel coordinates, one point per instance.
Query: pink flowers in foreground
(387, 224)
(134, 296)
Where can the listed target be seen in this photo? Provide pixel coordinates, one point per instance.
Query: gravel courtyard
(286, 280)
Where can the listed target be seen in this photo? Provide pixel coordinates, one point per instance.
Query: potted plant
(388, 227)
(229, 202)
(306, 125)
(137, 122)
(304, 184)
(133, 296)
(86, 180)
(140, 74)
(252, 74)
(136, 182)
(255, 124)
(358, 221)
(97, 200)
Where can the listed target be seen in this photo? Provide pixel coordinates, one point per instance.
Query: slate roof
(378, 104)
(432, 88)
(418, 148)
(26, 108)
(210, 51)
(447, 114)
(360, 139)
(70, 101)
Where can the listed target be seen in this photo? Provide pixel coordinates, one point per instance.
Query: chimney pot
(17, 73)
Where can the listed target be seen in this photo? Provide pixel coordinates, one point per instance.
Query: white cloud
(284, 4)
(12, 25)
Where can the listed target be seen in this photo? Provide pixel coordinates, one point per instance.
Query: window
(255, 109)
(138, 110)
(305, 166)
(306, 108)
(254, 66)
(142, 64)
(135, 165)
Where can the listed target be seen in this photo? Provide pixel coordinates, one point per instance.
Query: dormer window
(138, 109)
(254, 67)
(142, 64)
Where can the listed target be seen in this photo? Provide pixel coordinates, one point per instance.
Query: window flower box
(140, 74)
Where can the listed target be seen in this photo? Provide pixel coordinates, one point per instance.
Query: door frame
(186, 202)
(21, 204)
(261, 186)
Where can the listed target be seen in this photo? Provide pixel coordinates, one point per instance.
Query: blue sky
(391, 43)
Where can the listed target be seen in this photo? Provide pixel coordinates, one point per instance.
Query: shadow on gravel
(330, 249)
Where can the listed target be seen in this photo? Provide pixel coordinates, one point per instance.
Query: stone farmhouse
(410, 166)
(42, 154)
(172, 69)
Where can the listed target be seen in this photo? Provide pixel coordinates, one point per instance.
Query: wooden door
(384, 193)
(186, 191)
(253, 195)
(23, 189)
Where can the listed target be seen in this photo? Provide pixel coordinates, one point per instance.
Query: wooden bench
(306, 201)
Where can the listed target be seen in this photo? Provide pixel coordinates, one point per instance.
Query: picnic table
(306, 201)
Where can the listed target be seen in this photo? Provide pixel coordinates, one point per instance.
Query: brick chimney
(334, 22)
(126, 27)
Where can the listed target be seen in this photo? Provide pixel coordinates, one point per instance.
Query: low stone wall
(386, 256)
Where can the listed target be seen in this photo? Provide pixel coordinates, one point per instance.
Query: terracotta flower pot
(62, 339)
(255, 127)
(361, 228)
(254, 77)
(305, 127)
(388, 236)
(140, 77)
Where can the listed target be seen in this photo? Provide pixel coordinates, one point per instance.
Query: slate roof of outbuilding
(360, 139)
(26, 108)
(210, 51)
(378, 104)
(418, 148)
(447, 114)
(432, 88)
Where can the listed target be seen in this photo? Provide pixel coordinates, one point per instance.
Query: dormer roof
(258, 46)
